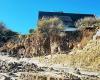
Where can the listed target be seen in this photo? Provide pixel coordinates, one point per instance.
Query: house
(68, 19)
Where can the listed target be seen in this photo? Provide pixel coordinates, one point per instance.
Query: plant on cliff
(88, 58)
(49, 28)
(88, 26)
(31, 31)
(88, 22)
(6, 32)
(50, 25)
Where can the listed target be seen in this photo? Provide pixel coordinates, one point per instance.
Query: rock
(77, 71)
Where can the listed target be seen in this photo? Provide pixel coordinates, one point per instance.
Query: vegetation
(87, 58)
(88, 22)
(50, 26)
(31, 31)
(39, 41)
(6, 32)
(80, 51)
(49, 29)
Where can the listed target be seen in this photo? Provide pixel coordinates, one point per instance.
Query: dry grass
(88, 58)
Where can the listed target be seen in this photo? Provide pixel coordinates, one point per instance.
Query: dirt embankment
(33, 45)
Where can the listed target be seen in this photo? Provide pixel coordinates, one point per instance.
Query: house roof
(68, 16)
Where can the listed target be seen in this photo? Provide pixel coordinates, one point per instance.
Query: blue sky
(21, 15)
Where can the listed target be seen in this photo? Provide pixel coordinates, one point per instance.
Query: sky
(22, 15)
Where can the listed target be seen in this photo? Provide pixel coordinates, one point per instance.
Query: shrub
(88, 22)
(49, 25)
(31, 31)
